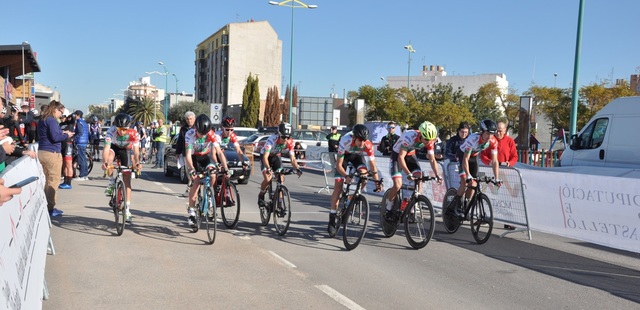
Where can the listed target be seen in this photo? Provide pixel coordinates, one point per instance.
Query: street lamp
(410, 49)
(166, 95)
(555, 76)
(175, 76)
(23, 73)
(293, 4)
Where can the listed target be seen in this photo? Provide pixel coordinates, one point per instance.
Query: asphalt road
(158, 263)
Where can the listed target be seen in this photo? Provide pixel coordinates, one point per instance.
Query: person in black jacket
(386, 144)
(334, 138)
(453, 145)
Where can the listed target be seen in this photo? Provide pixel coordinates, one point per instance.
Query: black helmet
(284, 129)
(360, 131)
(228, 121)
(202, 124)
(122, 120)
(488, 125)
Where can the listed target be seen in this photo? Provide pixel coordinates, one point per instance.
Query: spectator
(333, 138)
(28, 123)
(387, 142)
(161, 137)
(507, 153)
(438, 150)
(81, 139)
(453, 145)
(299, 152)
(95, 130)
(152, 140)
(142, 133)
(14, 149)
(9, 121)
(190, 119)
(50, 142)
(67, 152)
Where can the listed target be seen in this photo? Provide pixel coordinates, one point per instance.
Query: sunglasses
(228, 129)
(391, 127)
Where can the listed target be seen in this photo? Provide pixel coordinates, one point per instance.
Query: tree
(176, 112)
(143, 110)
(272, 108)
(555, 103)
(483, 103)
(101, 111)
(250, 112)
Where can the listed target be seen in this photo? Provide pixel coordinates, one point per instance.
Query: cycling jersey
(228, 141)
(272, 147)
(474, 144)
(125, 141)
(200, 145)
(409, 141)
(347, 145)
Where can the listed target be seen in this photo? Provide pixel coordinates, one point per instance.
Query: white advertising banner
(24, 234)
(599, 209)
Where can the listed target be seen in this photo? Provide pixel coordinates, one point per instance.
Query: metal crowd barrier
(328, 166)
(508, 202)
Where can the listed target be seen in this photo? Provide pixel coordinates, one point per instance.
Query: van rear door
(590, 150)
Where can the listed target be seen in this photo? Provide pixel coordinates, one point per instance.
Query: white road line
(284, 261)
(338, 297)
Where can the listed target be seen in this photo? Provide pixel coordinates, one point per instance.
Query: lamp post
(555, 76)
(293, 4)
(410, 49)
(166, 95)
(23, 73)
(175, 76)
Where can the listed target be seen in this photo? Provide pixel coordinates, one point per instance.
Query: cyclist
(270, 157)
(403, 159)
(95, 130)
(123, 142)
(351, 148)
(228, 139)
(468, 155)
(201, 144)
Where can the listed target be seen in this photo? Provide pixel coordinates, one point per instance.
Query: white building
(434, 75)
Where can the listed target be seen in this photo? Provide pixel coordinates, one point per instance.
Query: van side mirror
(575, 142)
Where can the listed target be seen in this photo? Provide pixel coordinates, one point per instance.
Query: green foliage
(142, 111)
(176, 112)
(250, 112)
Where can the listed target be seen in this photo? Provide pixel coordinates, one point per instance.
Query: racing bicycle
(206, 205)
(277, 202)
(118, 198)
(477, 211)
(353, 211)
(227, 198)
(416, 212)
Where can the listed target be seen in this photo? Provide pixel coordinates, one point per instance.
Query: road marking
(284, 261)
(338, 297)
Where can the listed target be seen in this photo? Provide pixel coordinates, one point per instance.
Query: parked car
(309, 137)
(257, 141)
(171, 164)
(244, 132)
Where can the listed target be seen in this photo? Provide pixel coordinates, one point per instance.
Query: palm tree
(143, 111)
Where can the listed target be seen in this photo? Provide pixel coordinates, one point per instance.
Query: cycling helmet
(284, 129)
(202, 124)
(428, 131)
(488, 125)
(360, 131)
(228, 122)
(94, 119)
(122, 120)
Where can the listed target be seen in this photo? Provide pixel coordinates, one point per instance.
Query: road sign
(216, 113)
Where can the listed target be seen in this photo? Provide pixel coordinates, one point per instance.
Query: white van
(609, 138)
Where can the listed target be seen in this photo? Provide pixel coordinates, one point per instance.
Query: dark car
(171, 164)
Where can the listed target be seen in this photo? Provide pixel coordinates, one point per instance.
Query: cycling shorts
(356, 160)
(394, 167)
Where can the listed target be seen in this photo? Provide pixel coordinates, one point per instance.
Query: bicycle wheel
(388, 228)
(282, 210)
(89, 162)
(265, 210)
(119, 211)
(210, 210)
(355, 222)
(449, 218)
(198, 208)
(419, 222)
(481, 219)
(230, 205)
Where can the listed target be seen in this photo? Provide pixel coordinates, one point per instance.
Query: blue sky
(91, 50)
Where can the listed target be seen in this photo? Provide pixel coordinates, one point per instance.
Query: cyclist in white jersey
(403, 159)
(351, 149)
(468, 154)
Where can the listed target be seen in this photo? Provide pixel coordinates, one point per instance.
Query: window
(593, 136)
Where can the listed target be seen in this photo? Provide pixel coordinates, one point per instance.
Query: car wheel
(183, 175)
(167, 172)
(244, 180)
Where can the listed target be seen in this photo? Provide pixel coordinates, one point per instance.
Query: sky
(89, 51)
